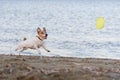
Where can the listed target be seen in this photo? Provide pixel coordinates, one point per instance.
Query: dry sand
(57, 68)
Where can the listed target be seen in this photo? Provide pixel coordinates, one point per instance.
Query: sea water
(70, 26)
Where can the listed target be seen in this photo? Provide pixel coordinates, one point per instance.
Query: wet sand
(57, 68)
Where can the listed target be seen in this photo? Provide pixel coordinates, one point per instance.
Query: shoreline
(13, 67)
(102, 58)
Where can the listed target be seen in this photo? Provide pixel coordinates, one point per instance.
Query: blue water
(70, 25)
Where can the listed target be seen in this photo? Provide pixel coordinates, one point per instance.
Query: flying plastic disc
(100, 23)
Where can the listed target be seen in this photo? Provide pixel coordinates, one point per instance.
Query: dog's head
(42, 33)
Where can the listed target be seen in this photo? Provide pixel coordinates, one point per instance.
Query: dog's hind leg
(21, 50)
(18, 48)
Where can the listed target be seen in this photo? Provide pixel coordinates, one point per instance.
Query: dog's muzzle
(46, 35)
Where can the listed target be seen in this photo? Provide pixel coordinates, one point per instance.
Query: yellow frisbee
(100, 23)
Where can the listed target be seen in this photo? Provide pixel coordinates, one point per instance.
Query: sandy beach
(57, 68)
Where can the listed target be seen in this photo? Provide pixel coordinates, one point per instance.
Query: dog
(34, 43)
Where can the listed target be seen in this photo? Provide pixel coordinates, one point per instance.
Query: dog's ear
(44, 29)
(38, 30)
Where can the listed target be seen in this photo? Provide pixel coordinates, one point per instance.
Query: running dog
(34, 43)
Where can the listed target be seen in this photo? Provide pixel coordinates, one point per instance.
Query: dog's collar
(39, 38)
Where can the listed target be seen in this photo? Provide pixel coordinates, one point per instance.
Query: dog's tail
(23, 36)
(24, 39)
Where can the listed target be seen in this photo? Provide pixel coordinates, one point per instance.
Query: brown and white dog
(34, 43)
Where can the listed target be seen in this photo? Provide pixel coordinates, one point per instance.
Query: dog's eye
(42, 33)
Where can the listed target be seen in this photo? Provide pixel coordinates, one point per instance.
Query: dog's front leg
(38, 49)
(45, 48)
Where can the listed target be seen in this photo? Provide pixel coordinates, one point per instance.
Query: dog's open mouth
(45, 37)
